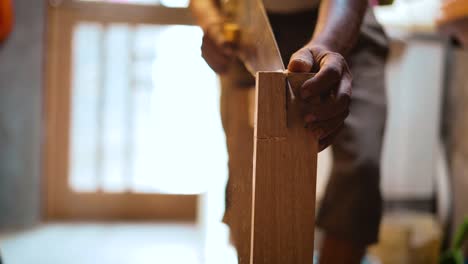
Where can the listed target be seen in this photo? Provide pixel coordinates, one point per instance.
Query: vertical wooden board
(285, 162)
(237, 104)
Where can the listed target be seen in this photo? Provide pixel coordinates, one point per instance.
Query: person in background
(341, 41)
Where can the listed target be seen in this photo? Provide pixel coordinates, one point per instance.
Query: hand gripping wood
(284, 174)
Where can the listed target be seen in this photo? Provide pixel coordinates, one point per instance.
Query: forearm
(205, 12)
(339, 24)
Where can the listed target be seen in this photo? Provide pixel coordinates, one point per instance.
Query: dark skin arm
(335, 35)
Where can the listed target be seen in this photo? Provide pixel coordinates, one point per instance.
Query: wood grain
(237, 111)
(284, 171)
(127, 13)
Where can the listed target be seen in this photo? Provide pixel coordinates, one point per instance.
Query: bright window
(145, 114)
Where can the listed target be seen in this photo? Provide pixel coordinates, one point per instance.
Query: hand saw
(247, 24)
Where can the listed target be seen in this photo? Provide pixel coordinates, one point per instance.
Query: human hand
(331, 84)
(217, 51)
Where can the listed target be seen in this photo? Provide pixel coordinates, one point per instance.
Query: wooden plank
(103, 12)
(237, 111)
(56, 111)
(127, 206)
(285, 162)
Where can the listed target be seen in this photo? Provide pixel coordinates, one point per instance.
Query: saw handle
(231, 32)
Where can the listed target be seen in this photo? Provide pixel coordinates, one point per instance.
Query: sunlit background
(144, 103)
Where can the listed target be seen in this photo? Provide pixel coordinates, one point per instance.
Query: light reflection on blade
(259, 50)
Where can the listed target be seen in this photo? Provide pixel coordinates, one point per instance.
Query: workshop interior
(112, 147)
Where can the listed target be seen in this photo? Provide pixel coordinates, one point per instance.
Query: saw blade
(258, 48)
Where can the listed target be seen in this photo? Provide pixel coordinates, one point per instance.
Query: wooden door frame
(60, 203)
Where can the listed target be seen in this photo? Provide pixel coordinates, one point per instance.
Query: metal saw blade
(258, 48)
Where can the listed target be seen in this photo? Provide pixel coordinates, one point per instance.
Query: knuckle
(219, 68)
(318, 131)
(341, 60)
(338, 58)
(205, 56)
(344, 99)
(333, 71)
(346, 114)
(304, 51)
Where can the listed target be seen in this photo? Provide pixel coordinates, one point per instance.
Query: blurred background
(112, 149)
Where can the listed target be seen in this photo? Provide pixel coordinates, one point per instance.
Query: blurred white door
(133, 119)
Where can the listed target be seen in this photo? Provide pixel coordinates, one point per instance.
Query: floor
(104, 244)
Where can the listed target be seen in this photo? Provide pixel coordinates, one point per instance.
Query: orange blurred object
(453, 20)
(453, 10)
(6, 18)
